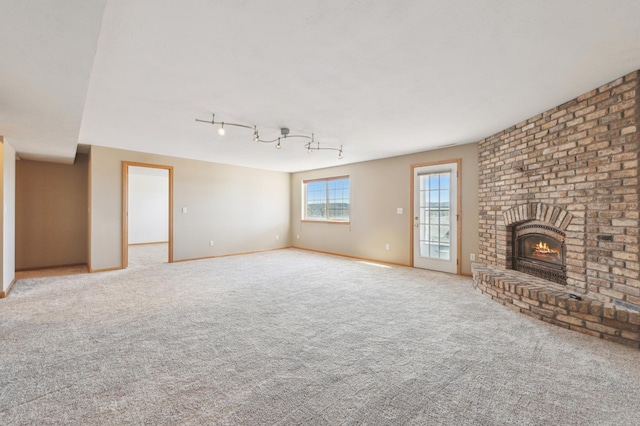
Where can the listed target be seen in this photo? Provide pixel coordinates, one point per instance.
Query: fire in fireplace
(543, 248)
(539, 250)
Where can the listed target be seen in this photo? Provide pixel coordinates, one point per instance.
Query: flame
(543, 248)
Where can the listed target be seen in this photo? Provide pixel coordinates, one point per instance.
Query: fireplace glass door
(541, 248)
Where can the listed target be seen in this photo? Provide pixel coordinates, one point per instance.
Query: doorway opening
(147, 214)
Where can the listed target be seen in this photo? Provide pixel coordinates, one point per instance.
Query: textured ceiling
(380, 78)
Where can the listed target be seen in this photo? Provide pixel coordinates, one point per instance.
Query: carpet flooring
(295, 337)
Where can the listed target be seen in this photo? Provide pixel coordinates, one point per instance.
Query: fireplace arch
(553, 215)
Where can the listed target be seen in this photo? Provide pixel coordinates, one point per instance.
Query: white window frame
(327, 200)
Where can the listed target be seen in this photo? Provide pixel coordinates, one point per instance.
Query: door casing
(125, 208)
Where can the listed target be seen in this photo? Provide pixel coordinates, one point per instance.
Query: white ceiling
(380, 78)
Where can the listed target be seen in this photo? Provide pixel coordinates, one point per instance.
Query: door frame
(457, 161)
(125, 208)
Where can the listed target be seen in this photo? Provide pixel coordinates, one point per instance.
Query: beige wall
(240, 209)
(51, 213)
(243, 209)
(378, 188)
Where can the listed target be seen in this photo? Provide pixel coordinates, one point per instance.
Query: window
(326, 199)
(435, 209)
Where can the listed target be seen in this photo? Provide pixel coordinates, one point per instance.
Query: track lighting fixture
(311, 146)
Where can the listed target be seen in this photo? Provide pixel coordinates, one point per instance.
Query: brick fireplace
(567, 179)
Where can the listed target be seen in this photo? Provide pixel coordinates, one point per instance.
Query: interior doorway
(147, 214)
(436, 216)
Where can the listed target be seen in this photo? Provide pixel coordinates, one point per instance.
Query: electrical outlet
(184, 210)
(277, 237)
(472, 257)
(297, 236)
(211, 243)
(387, 246)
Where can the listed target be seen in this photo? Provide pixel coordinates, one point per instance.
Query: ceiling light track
(310, 146)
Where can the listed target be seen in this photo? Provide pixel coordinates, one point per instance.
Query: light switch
(184, 210)
(400, 210)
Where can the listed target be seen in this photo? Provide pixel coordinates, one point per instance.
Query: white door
(435, 209)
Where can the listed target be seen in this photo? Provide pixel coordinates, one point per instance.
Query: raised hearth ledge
(551, 302)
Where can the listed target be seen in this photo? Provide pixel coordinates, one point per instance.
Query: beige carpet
(294, 337)
(148, 254)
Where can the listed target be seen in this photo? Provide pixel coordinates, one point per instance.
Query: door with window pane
(435, 217)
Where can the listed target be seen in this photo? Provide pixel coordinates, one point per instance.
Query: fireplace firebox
(539, 250)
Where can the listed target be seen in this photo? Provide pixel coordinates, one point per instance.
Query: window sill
(332, 222)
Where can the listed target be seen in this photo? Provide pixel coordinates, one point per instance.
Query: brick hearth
(551, 303)
(574, 166)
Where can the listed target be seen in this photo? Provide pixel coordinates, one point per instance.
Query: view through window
(326, 199)
(435, 213)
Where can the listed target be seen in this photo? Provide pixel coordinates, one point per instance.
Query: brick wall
(581, 159)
